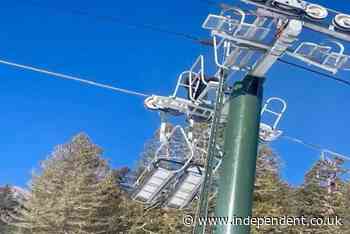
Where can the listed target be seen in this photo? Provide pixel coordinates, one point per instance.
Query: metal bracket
(314, 17)
(284, 40)
(179, 106)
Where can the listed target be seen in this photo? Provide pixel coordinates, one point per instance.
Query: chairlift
(235, 40)
(323, 56)
(195, 82)
(328, 171)
(186, 188)
(233, 23)
(179, 106)
(332, 159)
(231, 56)
(163, 169)
(268, 131)
(197, 103)
(315, 17)
(189, 184)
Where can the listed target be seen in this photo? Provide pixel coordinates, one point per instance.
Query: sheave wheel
(342, 22)
(316, 12)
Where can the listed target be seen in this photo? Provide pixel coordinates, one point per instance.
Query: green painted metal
(237, 173)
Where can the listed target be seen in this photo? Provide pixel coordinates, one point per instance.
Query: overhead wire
(223, 5)
(314, 146)
(187, 36)
(117, 19)
(74, 78)
(306, 144)
(131, 92)
(342, 81)
(154, 28)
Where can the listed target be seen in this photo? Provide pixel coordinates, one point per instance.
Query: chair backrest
(270, 118)
(177, 150)
(192, 80)
(275, 113)
(328, 57)
(230, 25)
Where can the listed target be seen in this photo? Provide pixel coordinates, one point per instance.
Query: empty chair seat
(186, 188)
(267, 134)
(153, 184)
(171, 159)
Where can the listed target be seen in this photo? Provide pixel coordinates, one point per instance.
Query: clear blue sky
(39, 112)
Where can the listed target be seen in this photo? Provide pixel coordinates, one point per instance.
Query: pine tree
(344, 210)
(271, 193)
(273, 197)
(318, 198)
(8, 204)
(76, 193)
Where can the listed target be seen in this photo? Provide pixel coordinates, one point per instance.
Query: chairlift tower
(329, 169)
(237, 39)
(247, 42)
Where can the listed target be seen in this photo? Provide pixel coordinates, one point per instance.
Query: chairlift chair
(189, 184)
(233, 23)
(195, 82)
(327, 177)
(186, 188)
(329, 170)
(323, 56)
(230, 30)
(268, 131)
(197, 103)
(190, 80)
(162, 170)
(178, 106)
